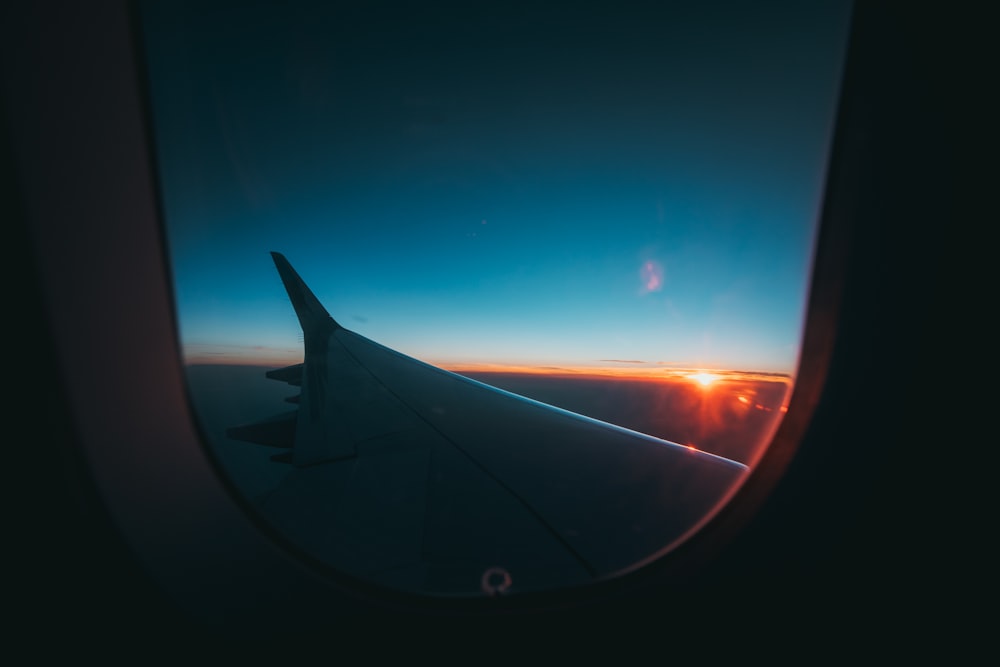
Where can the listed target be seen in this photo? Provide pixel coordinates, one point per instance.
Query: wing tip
(308, 308)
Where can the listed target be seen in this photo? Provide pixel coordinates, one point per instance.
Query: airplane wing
(417, 478)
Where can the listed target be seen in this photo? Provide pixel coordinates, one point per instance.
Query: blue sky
(497, 184)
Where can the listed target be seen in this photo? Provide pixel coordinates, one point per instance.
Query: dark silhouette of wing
(419, 478)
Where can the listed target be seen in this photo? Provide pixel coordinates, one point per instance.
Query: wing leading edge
(418, 478)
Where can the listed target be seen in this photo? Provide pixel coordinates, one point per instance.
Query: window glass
(606, 213)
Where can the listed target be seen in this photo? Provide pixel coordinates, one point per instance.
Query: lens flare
(652, 276)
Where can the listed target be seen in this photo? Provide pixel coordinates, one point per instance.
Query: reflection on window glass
(481, 298)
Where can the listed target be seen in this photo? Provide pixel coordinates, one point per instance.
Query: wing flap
(278, 431)
(290, 374)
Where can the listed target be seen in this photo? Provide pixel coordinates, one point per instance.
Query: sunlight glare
(704, 379)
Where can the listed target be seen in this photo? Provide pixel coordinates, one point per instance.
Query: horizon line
(632, 372)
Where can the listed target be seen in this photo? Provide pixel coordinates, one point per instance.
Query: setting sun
(704, 379)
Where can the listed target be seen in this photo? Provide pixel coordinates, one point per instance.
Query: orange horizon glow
(699, 376)
(704, 378)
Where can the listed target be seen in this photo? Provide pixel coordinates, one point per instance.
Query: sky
(633, 186)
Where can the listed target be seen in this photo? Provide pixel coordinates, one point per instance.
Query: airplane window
(485, 298)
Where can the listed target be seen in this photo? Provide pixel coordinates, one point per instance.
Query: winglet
(313, 318)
